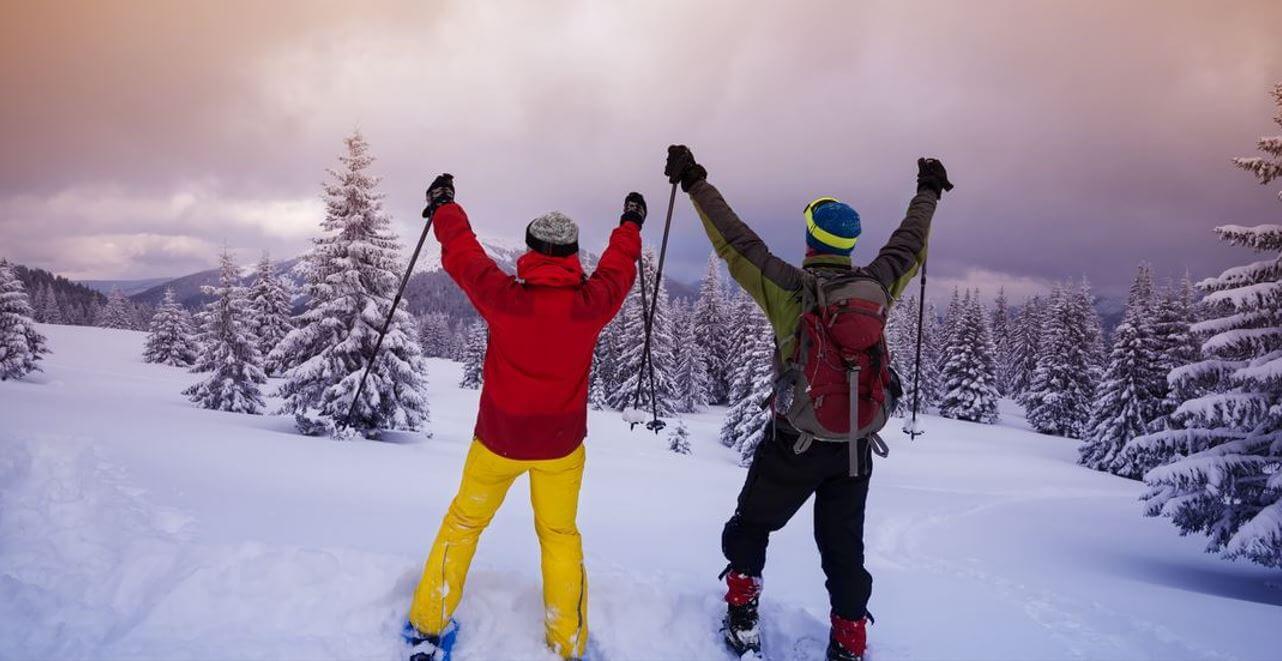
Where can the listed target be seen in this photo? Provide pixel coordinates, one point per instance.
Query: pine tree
(118, 313)
(1224, 476)
(754, 382)
(352, 273)
(1129, 396)
(952, 317)
(169, 338)
(692, 372)
(968, 373)
(901, 335)
(236, 366)
(747, 317)
(1063, 385)
(662, 348)
(679, 439)
(1003, 349)
(603, 378)
(1269, 167)
(478, 339)
(434, 335)
(52, 310)
(269, 305)
(1025, 345)
(21, 345)
(93, 313)
(711, 335)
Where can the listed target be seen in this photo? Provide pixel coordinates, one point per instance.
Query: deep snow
(133, 525)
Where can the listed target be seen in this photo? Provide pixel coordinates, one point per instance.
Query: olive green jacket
(776, 285)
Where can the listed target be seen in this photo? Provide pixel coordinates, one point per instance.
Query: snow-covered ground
(133, 525)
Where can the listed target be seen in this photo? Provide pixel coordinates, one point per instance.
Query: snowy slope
(133, 525)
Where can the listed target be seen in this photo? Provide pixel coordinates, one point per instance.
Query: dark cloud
(1082, 136)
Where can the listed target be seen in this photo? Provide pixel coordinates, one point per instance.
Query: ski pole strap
(803, 442)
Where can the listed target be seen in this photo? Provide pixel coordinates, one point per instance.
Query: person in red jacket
(543, 326)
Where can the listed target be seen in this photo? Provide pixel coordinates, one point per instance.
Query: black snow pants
(779, 482)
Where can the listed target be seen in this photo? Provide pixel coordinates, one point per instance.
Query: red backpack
(840, 338)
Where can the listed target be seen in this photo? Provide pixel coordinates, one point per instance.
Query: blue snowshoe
(423, 647)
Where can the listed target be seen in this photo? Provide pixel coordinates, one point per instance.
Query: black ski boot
(742, 635)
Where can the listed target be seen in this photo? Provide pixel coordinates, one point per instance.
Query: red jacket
(543, 328)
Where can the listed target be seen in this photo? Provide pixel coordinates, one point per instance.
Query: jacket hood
(547, 271)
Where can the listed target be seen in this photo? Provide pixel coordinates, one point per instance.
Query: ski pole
(913, 431)
(645, 349)
(347, 420)
(655, 423)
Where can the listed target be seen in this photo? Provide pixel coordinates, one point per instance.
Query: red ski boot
(848, 640)
(742, 635)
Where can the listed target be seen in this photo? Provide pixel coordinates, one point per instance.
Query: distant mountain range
(430, 289)
(126, 287)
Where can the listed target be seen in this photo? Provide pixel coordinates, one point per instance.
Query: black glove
(440, 193)
(682, 168)
(634, 209)
(931, 175)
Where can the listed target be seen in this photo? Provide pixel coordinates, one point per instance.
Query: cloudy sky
(1083, 136)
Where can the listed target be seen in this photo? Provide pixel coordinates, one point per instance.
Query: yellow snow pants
(554, 494)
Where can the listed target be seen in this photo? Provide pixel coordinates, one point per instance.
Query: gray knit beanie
(553, 234)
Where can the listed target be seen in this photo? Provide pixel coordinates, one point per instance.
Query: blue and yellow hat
(832, 226)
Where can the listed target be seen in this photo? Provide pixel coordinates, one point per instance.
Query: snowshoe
(740, 630)
(848, 640)
(424, 647)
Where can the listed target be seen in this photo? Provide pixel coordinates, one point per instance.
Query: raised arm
(617, 268)
(772, 282)
(461, 254)
(898, 261)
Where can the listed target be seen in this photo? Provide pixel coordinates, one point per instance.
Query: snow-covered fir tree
(118, 313)
(662, 348)
(1224, 478)
(269, 305)
(92, 313)
(679, 438)
(752, 382)
(901, 335)
(603, 380)
(1175, 345)
(53, 309)
(1059, 398)
(170, 337)
(36, 301)
(235, 364)
(1129, 396)
(352, 273)
(47, 307)
(746, 418)
(21, 345)
(1026, 335)
(711, 334)
(952, 317)
(1096, 342)
(692, 373)
(1268, 167)
(478, 341)
(204, 324)
(1003, 349)
(742, 311)
(434, 335)
(968, 375)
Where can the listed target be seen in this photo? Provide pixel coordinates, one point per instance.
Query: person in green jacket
(781, 478)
